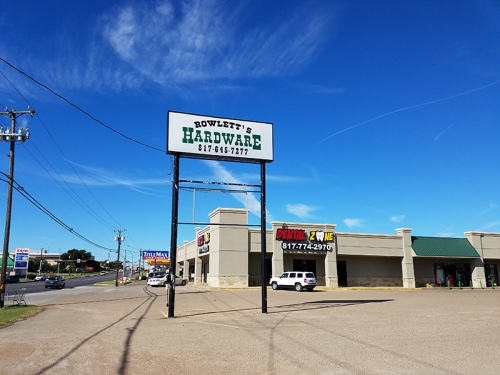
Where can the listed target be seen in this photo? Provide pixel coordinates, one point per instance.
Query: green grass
(10, 314)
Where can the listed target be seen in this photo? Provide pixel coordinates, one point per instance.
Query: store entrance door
(491, 273)
(304, 265)
(342, 272)
(204, 272)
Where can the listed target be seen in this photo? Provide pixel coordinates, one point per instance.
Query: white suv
(294, 279)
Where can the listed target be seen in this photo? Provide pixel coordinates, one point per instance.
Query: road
(123, 330)
(38, 287)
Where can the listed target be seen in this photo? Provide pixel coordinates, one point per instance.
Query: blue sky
(386, 114)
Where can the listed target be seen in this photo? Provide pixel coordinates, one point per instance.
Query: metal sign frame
(253, 155)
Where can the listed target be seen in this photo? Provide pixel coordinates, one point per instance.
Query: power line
(42, 208)
(93, 213)
(66, 159)
(80, 109)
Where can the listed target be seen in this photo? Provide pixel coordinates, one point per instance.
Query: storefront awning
(443, 247)
(10, 262)
(158, 261)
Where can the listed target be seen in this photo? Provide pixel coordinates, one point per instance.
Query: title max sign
(155, 254)
(219, 138)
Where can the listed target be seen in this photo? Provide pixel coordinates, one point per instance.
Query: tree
(70, 258)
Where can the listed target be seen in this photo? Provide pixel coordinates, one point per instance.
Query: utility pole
(41, 262)
(118, 238)
(11, 135)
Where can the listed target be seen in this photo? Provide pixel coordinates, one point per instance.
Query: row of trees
(68, 262)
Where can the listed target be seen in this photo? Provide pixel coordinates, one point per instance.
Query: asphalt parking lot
(124, 330)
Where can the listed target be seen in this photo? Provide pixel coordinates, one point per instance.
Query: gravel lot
(124, 330)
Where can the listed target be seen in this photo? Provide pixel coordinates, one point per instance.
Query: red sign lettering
(291, 234)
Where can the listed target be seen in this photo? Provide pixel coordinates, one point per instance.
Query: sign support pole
(173, 239)
(263, 270)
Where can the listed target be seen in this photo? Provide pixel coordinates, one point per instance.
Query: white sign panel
(212, 137)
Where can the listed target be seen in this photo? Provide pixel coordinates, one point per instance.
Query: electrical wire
(93, 213)
(80, 109)
(66, 159)
(38, 205)
(90, 116)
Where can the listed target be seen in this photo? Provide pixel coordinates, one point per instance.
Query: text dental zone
(300, 235)
(231, 139)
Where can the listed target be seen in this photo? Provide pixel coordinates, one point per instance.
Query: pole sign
(155, 254)
(21, 259)
(210, 137)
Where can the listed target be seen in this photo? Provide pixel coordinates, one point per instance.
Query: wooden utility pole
(10, 135)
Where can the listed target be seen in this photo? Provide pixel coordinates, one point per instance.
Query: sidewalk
(124, 330)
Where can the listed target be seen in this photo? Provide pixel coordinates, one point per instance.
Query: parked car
(294, 279)
(40, 277)
(157, 279)
(161, 280)
(180, 280)
(12, 279)
(31, 276)
(55, 282)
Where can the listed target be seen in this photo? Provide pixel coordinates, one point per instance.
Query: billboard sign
(155, 254)
(21, 259)
(210, 137)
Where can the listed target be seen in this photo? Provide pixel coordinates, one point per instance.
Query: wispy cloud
(95, 177)
(445, 234)
(491, 207)
(490, 225)
(301, 210)
(408, 108)
(222, 174)
(353, 222)
(440, 134)
(172, 43)
(270, 177)
(397, 218)
(316, 89)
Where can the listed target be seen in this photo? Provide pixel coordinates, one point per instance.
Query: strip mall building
(227, 253)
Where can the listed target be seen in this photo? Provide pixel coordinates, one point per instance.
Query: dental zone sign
(299, 239)
(211, 137)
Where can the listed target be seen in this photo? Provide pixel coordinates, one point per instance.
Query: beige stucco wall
(254, 240)
(486, 244)
(368, 244)
(229, 248)
(371, 259)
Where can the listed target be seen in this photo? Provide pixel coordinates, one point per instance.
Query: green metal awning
(10, 262)
(443, 247)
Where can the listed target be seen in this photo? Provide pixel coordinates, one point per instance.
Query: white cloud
(436, 138)
(353, 222)
(491, 225)
(93, 176)
(491, 207)
(222, 174)
(301, 210)
(445, 234)
(171, 43)
(397, 218)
